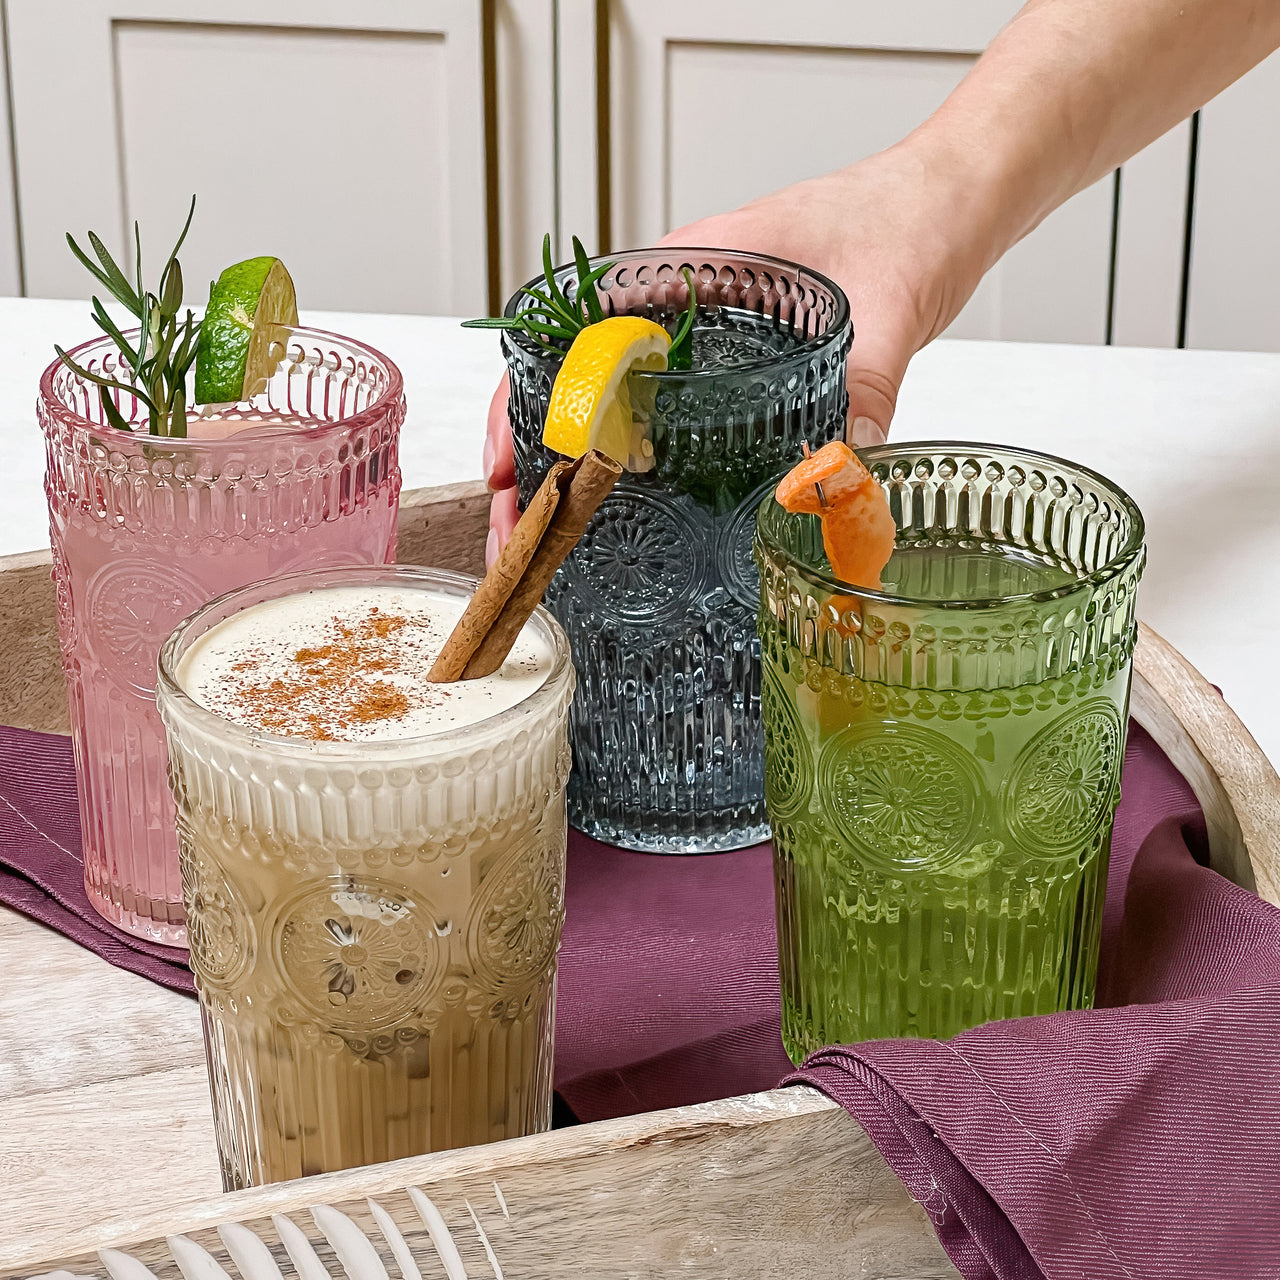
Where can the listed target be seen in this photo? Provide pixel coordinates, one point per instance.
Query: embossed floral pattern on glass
(658, 599)
(145, 529)
(943, 757)
(374, 926)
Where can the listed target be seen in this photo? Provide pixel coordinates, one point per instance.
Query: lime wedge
(245, 328)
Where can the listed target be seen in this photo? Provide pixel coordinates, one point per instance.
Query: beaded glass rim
(391, 394)
(908, 450)
(837, 331)
(423, 748)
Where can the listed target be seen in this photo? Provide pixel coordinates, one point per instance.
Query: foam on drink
(349, 664)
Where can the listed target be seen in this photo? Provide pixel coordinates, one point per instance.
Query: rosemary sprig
(553, 319)
(166, 345)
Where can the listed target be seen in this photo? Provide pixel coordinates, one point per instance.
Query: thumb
(877, 365)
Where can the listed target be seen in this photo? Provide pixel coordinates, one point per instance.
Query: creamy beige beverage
(373, 868)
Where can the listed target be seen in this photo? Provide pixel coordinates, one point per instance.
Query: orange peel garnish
(858, 529)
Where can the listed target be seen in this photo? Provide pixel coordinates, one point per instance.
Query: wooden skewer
(822, 497)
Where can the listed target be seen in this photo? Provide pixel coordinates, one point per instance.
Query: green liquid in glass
(940, 854)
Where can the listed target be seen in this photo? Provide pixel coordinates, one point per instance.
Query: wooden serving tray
(774, 1183)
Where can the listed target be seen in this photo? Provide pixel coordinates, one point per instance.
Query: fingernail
(491, 548)
(486, 460)
(866, 431)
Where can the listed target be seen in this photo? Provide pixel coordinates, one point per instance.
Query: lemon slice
(591, 402)
(245, 328)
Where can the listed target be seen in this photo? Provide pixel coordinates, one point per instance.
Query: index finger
(500, 464)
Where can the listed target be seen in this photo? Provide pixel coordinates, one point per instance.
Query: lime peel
(252, 308)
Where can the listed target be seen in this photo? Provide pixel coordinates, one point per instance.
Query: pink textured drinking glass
(145, 528)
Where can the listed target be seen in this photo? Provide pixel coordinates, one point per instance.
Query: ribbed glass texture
(942, 759)
(145, 528)
(374, 926)
(658, 598)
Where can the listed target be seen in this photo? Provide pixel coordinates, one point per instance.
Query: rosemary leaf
(561, 308)
(549, 348)
(172, 262)
(137, 265)
(178, 414)
(166, 338)
(125, 296)
(103, 381)
(171, 289)
(114, 278)
(549, 272)
(492, 322)
(114, 416)
(681, 354)
(586, 286)
(547, 327)
(108, 326)
(523, 322)
(547, 342)
(594, 278)
(185, 355)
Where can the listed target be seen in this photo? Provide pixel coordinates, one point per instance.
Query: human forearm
(1068, 90)
(1072, 88)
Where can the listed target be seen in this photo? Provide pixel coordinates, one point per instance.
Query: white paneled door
(1233, 292)
(348, 139)
(716, 102)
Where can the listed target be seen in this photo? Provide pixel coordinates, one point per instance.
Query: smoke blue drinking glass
(659, 597)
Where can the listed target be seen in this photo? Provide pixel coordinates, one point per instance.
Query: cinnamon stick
(504, 601)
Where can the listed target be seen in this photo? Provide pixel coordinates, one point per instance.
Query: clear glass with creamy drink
(372, 866)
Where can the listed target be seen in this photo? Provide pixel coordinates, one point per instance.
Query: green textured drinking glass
(942, 756)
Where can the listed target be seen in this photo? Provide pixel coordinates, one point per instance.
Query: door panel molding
(76, 117)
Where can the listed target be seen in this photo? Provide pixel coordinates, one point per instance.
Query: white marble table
(1192, 435)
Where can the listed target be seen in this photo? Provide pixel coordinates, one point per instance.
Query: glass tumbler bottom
(738, 828)
(156, 920)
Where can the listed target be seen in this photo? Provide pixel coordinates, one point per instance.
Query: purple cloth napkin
(1136, 1140)
(1133, 1140)
(41, 867)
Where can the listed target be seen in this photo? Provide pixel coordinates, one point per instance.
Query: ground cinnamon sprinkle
(335, 676)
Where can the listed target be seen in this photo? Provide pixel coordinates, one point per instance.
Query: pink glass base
(148, 918)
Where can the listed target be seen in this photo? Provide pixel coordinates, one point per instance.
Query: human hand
(887, 230)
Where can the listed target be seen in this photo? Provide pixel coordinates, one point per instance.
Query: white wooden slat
(1234, 275)
(1151, 242)
(1053, 285)
(10, 241)
(577, 154)
(129, 1030)
(526, 32)
(347, 139)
